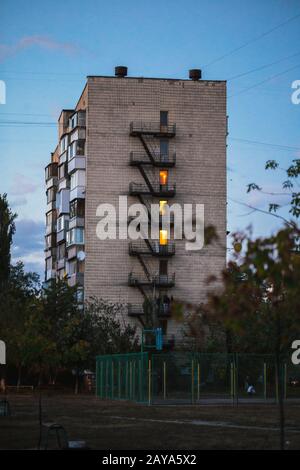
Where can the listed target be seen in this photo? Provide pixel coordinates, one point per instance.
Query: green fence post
(130, 379)
(192, 381)
(149, 382)
(165, 379)
(285, 380)
(119, 380)
(265, 380)
(112, 379)
(231, 380)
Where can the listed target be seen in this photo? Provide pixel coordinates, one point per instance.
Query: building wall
(199, 111)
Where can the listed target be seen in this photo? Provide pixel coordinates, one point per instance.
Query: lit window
(162, 207)
(163, 237)
(163, 177)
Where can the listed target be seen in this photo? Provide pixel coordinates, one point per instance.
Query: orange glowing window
(162, 207)
(163, 176)
(163, 237)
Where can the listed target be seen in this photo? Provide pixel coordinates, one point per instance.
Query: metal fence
(158, 378)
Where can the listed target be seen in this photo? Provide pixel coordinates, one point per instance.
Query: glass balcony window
(62, 223)
(75, 236)
(51, 195)
(78, 119)
(77, 179)
(76, 148)
(64, 144)
(77, 208)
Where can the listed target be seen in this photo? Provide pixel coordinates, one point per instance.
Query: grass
(125, 425)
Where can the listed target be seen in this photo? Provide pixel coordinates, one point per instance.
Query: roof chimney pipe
(120, 71)
(195, 74)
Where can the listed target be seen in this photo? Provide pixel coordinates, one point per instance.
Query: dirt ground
(125, 425)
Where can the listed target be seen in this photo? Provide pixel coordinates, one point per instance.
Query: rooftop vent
(120, 71)
(195, 74)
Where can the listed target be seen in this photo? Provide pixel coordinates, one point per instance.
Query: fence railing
(185, 377)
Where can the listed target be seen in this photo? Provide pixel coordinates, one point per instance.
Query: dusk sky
(48, 48)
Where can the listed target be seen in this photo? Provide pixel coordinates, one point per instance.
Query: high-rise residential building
(157, 141)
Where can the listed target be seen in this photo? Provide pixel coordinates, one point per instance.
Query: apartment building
(157, 141)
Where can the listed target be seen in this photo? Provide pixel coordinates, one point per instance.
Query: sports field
(125, 425)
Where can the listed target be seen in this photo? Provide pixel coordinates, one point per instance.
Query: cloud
(28, 244)
(43, 42)
(18, 201)
(22, 185)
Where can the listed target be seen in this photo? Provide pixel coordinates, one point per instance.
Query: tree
(292, 173)
(259, 305)
(7, 229)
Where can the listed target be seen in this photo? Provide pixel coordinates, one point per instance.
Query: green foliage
(259, 305)
(7, 229)
(292, 172)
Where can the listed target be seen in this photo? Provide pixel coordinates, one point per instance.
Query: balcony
(136, 310)
(76, 222)
(152, 128)
(50, 228)
(51, 171)
(76, 279)
(152, 248)
(159, 280)
(76, 163)
(157, 159)
(77, 193)
(51, 182)
(157, 190)
(61, 263)
(50, 274)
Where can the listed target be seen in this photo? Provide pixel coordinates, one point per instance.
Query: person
(251, 390)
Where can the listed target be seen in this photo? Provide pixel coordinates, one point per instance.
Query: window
(50, 217)
(62, 171)
(62, 223)
(75, 236)
(72, 267)
(76, 148)
(51, 195)
(49, 264)
(80, 295)
(164, 149)
(164, 118)
(163, 177)
(50, 241)
(78, 179)
(61, 251)
(162, 208)
(51, 170)
(163, 267)
(163, 237)
(77, 208)
(78, 119)
(73, 121)
(63, 144)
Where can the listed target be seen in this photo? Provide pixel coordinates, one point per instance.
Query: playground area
(195, 378)
(107, 424)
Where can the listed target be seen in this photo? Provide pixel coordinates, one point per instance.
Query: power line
(269, 144)
(262, 67)
(251, 41)
(264, 81)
